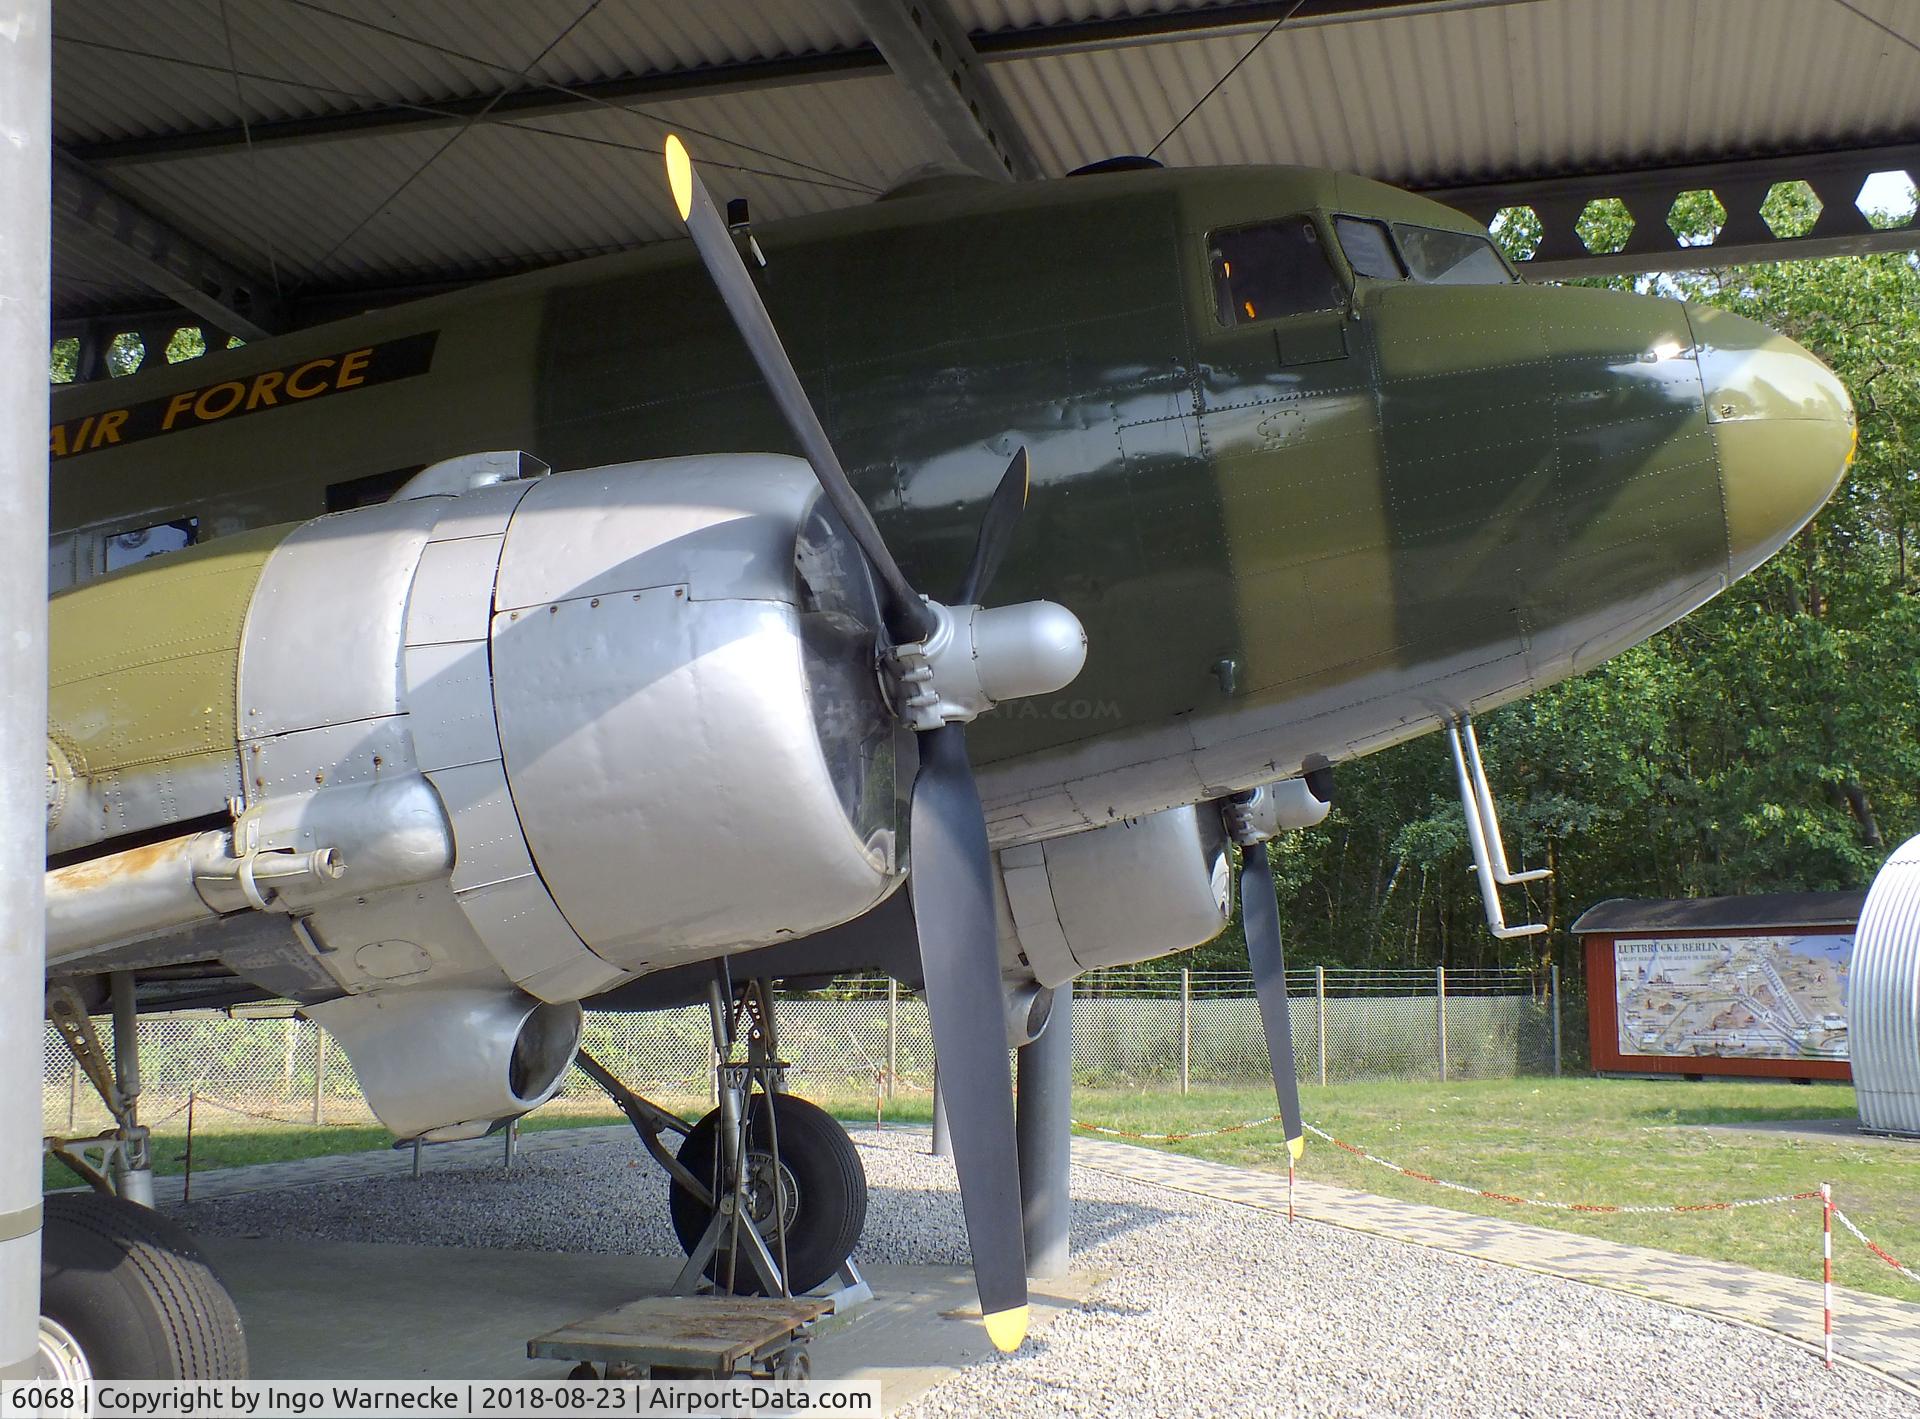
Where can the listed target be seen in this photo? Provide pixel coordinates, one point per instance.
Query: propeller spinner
(951, 664)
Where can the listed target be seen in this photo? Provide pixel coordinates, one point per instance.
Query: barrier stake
(1826, 1268)
(186, 1185)
(1289, 1190)
(1186, 1029)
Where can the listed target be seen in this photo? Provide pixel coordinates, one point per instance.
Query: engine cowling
(611, 720)
(1130, 891)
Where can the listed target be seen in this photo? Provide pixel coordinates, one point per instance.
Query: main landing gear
(768, 1194)
(124, 1293)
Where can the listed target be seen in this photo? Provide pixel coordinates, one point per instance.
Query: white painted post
(1186, 1029)
(26, 183)
(1320, 1003)
(1826, 1269)
(1440, 1009)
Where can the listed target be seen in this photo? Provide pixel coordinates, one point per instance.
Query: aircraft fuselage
(1297, 527)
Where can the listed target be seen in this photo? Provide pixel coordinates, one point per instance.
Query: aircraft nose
(1783, 427)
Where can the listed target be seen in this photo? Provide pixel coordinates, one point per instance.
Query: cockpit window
(1368, 248)
(1272, 270)
(1442, 258)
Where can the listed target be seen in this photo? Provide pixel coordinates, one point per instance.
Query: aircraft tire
(829, 1184)
(133, 1293)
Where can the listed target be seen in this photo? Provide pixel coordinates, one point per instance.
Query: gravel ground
(1212, 1309)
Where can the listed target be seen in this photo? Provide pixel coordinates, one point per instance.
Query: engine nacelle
(445, 1064)
(1127, 892)
(611, 721)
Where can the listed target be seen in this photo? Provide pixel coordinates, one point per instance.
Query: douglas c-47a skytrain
(1148, 497)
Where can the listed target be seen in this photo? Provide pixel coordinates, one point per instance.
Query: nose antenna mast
(1483, 831)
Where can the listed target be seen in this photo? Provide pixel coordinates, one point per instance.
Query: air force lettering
(298, 382)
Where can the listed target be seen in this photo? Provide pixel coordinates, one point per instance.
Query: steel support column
(1044, 1139)
(26, 147)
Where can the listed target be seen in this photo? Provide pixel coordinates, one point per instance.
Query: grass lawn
(1617, 1141)
(1578, 1140)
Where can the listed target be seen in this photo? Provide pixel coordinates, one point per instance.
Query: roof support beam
(120, 232)
(932, 57)
(1741, 185)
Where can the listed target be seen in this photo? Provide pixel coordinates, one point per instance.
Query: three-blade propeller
(952, 869)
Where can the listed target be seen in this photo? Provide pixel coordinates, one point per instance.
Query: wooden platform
(705, 1333)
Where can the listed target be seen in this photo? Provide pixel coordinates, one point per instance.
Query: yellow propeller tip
(680, 175)
(1297, 1147)
(1006, 1329)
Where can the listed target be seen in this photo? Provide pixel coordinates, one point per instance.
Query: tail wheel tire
(821, 1186)
(125, 1294)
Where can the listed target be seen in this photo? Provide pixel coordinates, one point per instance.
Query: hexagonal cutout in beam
(1696, 218)
(1887, 200)
(1605, 225)
(1790, 209)
(126, 352)
(1517, 231)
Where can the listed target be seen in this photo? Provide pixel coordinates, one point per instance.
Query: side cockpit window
(123, 549)
(1271, 270)
(1443, 258)
(1368, 248)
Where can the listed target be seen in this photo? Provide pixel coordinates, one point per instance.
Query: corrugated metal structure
(269, 164)
(1886, 997)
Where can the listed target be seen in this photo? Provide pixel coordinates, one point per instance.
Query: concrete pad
(351, 1310)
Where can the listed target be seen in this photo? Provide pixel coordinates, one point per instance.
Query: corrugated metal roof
(500, 196)
(1471, 94)
(124, 70)
(1434, 93)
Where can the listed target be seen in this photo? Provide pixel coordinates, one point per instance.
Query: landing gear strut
(118, 1162)
(768, 1195)
(124, 1293)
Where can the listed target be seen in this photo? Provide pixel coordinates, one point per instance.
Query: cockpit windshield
(1443, 258)
(1429, 255)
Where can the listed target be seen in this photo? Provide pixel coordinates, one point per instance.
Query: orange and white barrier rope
(1418, 1176)
(1878, 1251)
(1176, 1137)
(1823, 1195)
(1605, 1208)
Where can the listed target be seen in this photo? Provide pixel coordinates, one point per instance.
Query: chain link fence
(866, 1037)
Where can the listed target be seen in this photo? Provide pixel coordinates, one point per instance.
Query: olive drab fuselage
(1290, 539)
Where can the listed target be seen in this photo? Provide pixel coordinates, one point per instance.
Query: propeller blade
(908, 618)
(952, 886)
(1260, 916)
(996, 530)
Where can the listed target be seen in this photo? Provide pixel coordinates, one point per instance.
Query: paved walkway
(1877, 1332)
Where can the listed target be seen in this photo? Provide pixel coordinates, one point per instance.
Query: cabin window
(1368, 248)
(125, 548)
(1271, 270)
(1442, 258)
